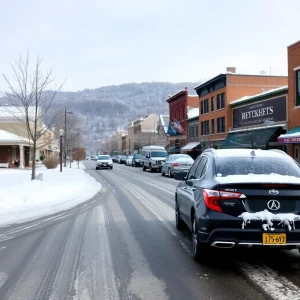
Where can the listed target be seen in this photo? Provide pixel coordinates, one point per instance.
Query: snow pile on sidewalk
(22, 199)
(287, 219)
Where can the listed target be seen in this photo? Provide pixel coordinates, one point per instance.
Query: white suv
(152, 157)
(104, 161)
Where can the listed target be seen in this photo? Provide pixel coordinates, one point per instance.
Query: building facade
(178, 108)
(162, 129)
(292, 138)
(258, 121)
(215, 95)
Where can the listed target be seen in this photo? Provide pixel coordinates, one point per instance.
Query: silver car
(176, 163)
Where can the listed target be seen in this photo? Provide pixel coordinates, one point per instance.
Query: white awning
(190, 146)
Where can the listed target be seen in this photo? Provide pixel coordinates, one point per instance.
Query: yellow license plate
(274, 238)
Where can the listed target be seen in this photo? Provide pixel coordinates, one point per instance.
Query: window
(202, 165)
(297, 77)
(212, 104)
(190, 131)
(221, 125)
(212, 126)
(197, 133)
(204, 107)
(205, 128)
(193, 168)
(221, 101)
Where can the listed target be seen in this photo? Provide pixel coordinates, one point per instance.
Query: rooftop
(260, 95)
(8, 137)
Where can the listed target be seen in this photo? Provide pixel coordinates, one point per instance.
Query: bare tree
(32, 94)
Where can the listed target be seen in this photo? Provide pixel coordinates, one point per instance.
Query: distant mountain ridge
(107, 108)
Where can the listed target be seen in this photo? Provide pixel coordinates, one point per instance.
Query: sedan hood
(104, 161)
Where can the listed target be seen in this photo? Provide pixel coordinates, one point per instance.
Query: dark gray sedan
(176, 163)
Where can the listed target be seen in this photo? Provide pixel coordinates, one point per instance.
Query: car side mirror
(180, 176)
(189, 183)
(147, 156)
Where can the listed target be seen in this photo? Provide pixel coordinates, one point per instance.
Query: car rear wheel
(144, 168)
(169, 173)
(179, 222)
(200, 252)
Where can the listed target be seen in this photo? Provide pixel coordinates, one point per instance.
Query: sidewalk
(22, 199)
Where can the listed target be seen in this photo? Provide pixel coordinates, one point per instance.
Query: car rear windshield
(137, 156)
(256, 165)
(103, 157)
(159, 154)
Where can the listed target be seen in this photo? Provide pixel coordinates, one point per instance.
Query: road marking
(279, 288)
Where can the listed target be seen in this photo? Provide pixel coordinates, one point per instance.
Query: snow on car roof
(247, 153)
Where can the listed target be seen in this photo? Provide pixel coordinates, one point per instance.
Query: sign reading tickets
(265, 112)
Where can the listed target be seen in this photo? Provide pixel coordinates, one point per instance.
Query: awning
(190, 146)
(174, 149)
(291, 137)
(250, 138)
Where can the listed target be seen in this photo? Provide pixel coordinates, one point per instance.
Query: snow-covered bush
(50, 162)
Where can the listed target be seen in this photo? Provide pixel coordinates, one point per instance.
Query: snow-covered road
(123, 245)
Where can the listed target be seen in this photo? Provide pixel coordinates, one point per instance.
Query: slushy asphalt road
(123, 244)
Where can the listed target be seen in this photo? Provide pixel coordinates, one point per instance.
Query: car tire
(200, 252)
(162, 173)
(144, 168)
(150, 168)
(169, 173)
(178, 221)
(111, 168)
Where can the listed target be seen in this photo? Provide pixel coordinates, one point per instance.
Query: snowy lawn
(22, 199)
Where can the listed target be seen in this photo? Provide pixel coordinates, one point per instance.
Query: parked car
(122, 159)
(114, 158)
(136, 160)
(225, 188)
(176, 163)
(93, 157)
(128, 160)
(104, 161)
(153, 157)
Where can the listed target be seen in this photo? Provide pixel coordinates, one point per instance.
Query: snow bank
(22, 199)
(284, 219)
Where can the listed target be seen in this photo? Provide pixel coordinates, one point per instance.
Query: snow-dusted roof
(8, 112)
(8, 137)
(247, 98)
(192, 112)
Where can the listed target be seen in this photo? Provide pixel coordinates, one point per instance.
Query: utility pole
(65, 138)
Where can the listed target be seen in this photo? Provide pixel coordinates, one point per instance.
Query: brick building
(178, 107)
(292, 137)
(215, 118)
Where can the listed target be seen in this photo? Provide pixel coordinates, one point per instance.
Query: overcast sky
(98, 43)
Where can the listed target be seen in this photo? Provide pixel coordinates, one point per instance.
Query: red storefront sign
(289, 140)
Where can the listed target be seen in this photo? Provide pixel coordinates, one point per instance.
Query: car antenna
(252, 153)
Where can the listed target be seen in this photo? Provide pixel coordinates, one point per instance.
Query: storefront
(292, 139)
(258, 121)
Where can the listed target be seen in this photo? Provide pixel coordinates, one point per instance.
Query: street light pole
(154, 130)
(65, 139)
(61, 133)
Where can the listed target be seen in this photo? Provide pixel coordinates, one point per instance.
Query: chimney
(231, 69)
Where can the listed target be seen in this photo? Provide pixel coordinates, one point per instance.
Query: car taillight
(212, 198)
(175, 165)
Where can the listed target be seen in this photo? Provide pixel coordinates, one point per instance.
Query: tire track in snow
(278, 287)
